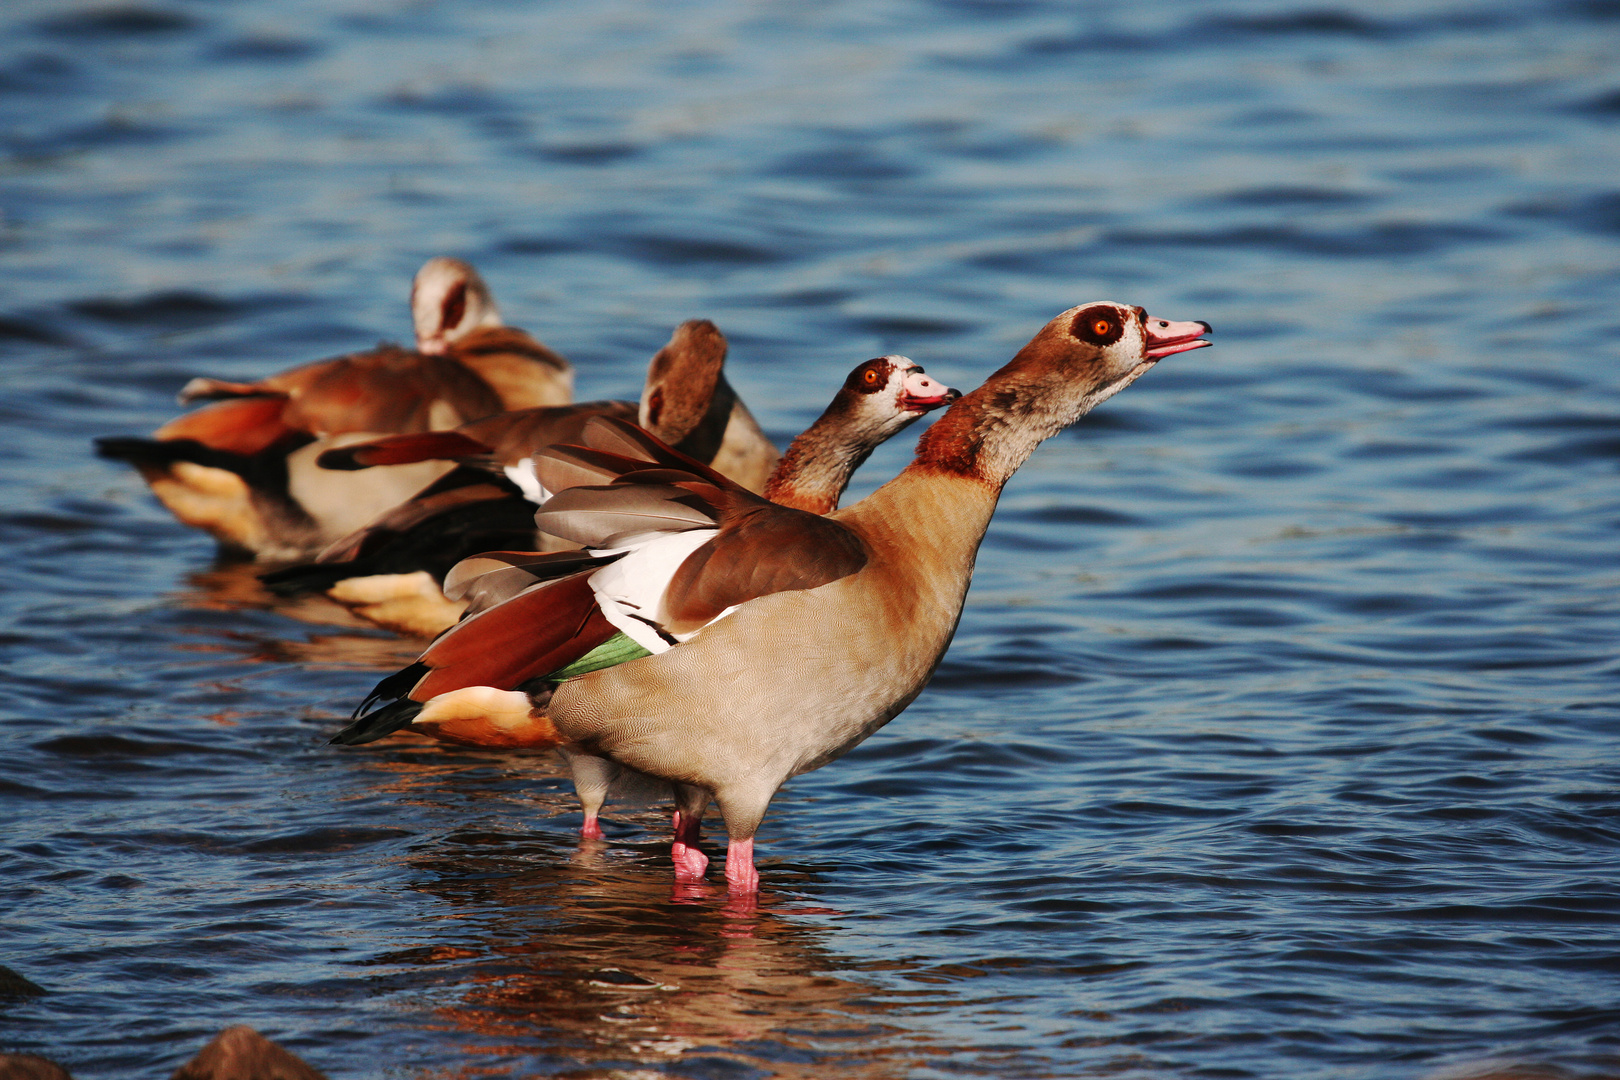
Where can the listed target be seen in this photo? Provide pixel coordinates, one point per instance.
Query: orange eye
(871, 375)
(1101, 327)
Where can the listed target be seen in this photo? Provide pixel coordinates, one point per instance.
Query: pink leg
(740, 873)
(690, 863)
(592, 829)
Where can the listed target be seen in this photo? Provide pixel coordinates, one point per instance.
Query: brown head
(685, 384)
(449, 300)
(881, 398)
(1078, 360)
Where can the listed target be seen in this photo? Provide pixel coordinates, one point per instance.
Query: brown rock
(240, 1053)
(31, 1067)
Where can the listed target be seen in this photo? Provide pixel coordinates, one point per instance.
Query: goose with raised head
(538, 618)
(865, 613)
(243, 468)
(862, 603)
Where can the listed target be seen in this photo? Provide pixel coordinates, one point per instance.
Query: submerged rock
(240, 1053)
(30, 1066)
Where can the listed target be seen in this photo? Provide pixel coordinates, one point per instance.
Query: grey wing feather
(562, 467)
(540, 564)
(620, 437)
(495, 587)
(496, 576)
(477, 565)
(604, 517)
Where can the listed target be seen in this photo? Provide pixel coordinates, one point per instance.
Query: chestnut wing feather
(246, 425)
(402, 450)
(535, 632)
(762, 548)
(388, 389)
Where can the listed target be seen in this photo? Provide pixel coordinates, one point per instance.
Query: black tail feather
(309, 577)
(140, 451)
(265, 471)
(397, 685)
(434, 544)
(375, 725)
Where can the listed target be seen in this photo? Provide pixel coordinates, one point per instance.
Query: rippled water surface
(1278, 739)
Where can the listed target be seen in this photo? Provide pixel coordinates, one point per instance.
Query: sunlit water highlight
(1279, 736)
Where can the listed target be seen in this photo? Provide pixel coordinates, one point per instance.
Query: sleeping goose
(789, 638)
(389, 571)
(685, 400)
(243, 468)
(497, 648)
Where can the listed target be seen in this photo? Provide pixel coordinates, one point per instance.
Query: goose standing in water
(538, 618)
(787, 638)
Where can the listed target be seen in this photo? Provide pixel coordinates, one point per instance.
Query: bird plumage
(243, 467)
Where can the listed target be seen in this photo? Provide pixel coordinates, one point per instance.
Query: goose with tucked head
(243, 468)
(389, 572)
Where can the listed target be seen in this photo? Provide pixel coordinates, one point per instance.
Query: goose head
(885, 394)
(449, 300)
(1102, 347)
(1078, 360)
(685, 382)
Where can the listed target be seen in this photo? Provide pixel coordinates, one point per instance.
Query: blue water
(1279, 737)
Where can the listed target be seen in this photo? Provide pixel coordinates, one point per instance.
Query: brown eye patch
(455, 305)
(870, 376)
(1100, 325)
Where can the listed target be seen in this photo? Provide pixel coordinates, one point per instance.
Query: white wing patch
(522, 474)
(630, 592)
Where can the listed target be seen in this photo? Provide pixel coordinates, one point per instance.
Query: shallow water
(1278, 739)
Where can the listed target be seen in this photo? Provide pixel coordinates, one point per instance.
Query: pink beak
(1164, 337)
(919, 393)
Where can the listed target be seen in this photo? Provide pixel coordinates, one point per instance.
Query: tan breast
(791, 681)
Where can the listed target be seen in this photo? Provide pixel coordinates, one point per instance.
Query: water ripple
(1276, 737)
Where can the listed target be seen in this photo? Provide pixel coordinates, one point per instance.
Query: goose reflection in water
(536, 944)
(345, 641)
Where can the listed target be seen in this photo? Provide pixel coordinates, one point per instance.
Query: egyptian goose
(389, 571)
(863, 601)
(879, 399)
(685, 401)
(495, 648)
(243, 469)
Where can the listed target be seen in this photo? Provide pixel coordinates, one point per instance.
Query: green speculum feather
(615, 650)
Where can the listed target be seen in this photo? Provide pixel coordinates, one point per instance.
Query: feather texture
(614, 516)
(495, 577)
(531, 634)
